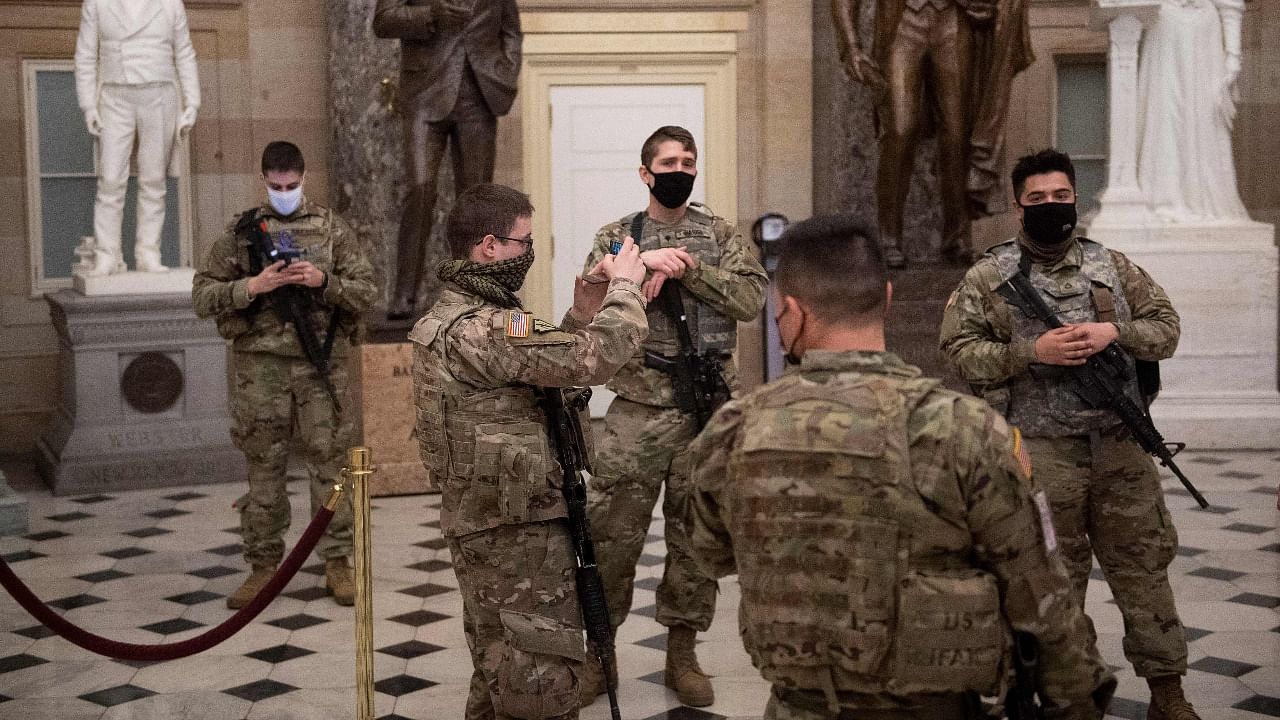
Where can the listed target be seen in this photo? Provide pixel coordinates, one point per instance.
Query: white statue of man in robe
(1187, 103)
(135, 78)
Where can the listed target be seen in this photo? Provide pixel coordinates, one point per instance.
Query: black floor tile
(183, 496)
(125, 553)
(647, 560)
(1185, 551)
(213, 571)
(308, 594)
(1222, 666)
(117, 695)
(401, 685)
(418, 618)
(170, 627)
(167, 513)
(76, 601)
(650, 583)
(35, 632)
(297, 622)
(280, 653)
(433, 544)
(410, 649)
(20, 662)
(1248, 528)
(21, 555)
(69, 517)
(430, 566)
(1239, 475)
(259, 690)
(91, 499)
(1194, 634)
(47, 535)
(194, 598)
(657, 642)
(148, 532)
(649, 611)
(1256, 600)
(425, 590)
(1128, 709)
(1261, 704)
(681, 712)
(1214, 573)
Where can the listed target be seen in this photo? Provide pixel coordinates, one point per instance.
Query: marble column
(1220, 385)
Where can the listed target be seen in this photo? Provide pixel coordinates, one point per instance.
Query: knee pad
(537, 676)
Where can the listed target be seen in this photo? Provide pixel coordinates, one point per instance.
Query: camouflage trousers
(276, 399)
(522, 621)
(645, 447)
(787, 704)
(1107, 502)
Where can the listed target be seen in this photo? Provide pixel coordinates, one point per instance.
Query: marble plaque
(388, 419)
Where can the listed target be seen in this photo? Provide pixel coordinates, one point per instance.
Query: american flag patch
(518, 324)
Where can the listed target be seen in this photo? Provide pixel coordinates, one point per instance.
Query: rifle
(1100, 381)
(1020, 704)
(697, 378)
(292, 304)
(565, 431)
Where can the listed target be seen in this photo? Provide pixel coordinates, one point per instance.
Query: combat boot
(592, 683)
(683, 674)
(338, 581)
(252, 585)
(1167, 700)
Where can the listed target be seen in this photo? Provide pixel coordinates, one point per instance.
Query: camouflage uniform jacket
(220, 288)
(992, 344)
(480, 431)
(727, 287)
(886, 536)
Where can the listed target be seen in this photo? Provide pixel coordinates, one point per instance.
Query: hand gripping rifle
(565, 431)
(291, 303)
(1100, 381)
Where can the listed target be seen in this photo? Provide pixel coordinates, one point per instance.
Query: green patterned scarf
(496, 282)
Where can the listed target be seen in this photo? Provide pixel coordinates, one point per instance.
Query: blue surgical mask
(285, 202)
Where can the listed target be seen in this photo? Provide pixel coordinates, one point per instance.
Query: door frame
(559, 52)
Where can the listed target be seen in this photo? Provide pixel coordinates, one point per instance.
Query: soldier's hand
(1067, 345)
(269, 279)
(588, 293)
(653, 286)
(626, 264)
(452, 14)
(93, 121)
(1098, 335)
(864, 70)
(303, 272)
(666, 260)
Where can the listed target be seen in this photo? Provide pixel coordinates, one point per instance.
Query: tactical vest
(486, 448)
(709, 329)
(1040, 401)
(850, 583)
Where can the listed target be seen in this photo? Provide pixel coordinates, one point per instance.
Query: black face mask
(672, 189)
(788, 353)
(1049, 224)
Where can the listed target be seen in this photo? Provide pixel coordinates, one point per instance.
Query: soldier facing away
(886, 532)
(477, 358)
(705, 259)
(281, 385)
(1103, 487)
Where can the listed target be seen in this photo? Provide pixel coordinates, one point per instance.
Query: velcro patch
(1046, 521)
(543, 326)
(518, 323)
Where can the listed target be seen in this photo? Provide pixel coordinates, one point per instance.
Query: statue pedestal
(1220, 386)
(144, 396)
(13, 511)
(388, 418)
(176, 281)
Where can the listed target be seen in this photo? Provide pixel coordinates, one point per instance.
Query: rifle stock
(565, 433)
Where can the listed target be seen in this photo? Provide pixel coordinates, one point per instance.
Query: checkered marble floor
(154, 566)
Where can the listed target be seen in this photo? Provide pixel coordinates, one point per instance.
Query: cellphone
(616, 247)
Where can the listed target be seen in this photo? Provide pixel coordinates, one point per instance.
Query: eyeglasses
(526, 241)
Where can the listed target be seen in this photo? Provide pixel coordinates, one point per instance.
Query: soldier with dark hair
(707, 263)
(1103, 487)
(886, 531)
(280, 389)
(479, 360)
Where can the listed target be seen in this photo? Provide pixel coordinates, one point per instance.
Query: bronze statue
(459, 61)
(944, 66)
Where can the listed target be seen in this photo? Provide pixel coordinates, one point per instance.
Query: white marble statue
(1187, 103)
(135, 78)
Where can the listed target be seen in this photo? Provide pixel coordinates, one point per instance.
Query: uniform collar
(858, 361)
(1073, 258)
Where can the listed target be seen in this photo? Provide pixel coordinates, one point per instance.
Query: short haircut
(282, 156)
(1042, 163)
(485, 209)
(663, 134)
(833, 263)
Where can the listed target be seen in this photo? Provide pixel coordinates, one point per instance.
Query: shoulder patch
(1020, 453)
(518, 323)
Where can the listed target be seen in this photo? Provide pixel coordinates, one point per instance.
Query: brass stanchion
(358, 471)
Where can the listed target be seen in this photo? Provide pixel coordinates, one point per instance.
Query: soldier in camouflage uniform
(646, 435)
(1103, 487)
(477, 359)
(277, 393)
(885, 531)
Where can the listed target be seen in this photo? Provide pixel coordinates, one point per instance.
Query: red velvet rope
(191, 646)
